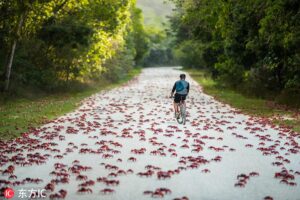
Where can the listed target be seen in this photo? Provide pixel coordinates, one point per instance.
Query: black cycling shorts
(179, 97)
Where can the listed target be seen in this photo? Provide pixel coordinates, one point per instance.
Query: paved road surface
(126, 140)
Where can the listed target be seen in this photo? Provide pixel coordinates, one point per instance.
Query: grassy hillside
(155, 11)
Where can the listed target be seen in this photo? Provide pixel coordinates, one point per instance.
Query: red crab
(174, 155)
(112, 182)
(63, 193)
(292, 184)
(107, 191)
(206, 171)
(56, 196)
(242, 176)
(36, 181)
(10, 170)
(59, 166)
(50, 186)
(268, 198)
(112, 174)
(198, 149)
(101, 179)
(146, 174)
(164, 190)
(121, 172)
(185, 146)
(163, 175)
(76, 162)
(11, 177)
(132, 159)
(81, 177)
(157, 194)
(115, 152)
(277, 163)
(84, 190)
(252, 174)
(87, 183)
(239, 184)
(106, 156)
(147, 192)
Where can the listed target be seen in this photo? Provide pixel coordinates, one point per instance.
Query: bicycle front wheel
(183, 114)
(179, 119)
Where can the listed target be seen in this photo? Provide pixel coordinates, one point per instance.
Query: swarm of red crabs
(128, 134)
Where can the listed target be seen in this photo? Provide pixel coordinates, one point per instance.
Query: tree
(252, 44)
(50, 43)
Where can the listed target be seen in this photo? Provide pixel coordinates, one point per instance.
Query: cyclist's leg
(175, 107)
(183, 100)
(176, 102)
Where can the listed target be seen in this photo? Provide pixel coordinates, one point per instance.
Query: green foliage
(67, 41)
(66, 33)
(160, 52)
(250, 45)
(189, 52)
(159, 37)
(139, 38)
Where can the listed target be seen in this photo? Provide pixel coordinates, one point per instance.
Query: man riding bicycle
(182, 88)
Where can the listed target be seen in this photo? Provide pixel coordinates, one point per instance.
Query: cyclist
(182, 88)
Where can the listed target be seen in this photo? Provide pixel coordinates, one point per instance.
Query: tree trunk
(12, 53)
(9, 64)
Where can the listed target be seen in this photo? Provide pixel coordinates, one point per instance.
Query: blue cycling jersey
(181, 87)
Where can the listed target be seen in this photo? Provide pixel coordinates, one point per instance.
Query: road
(126, 140)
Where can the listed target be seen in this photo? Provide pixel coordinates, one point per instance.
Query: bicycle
(181, 119)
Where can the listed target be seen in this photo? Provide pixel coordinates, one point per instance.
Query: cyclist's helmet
(182, 76)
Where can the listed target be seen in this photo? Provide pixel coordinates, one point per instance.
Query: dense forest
(252, 46)
(50, 44)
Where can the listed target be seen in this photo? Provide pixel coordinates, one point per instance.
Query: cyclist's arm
(173, 90)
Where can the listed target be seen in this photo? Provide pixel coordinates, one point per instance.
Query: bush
(230, 73)
(290, 97)
(189, 53)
